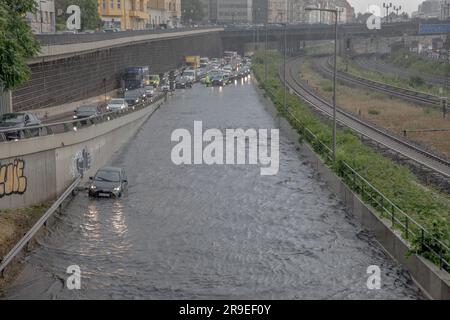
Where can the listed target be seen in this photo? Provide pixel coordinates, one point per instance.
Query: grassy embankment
(426, 205)
(13, 226)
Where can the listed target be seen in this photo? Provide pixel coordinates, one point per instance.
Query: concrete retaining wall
(64, 80)
(435, 283)
(38, 169)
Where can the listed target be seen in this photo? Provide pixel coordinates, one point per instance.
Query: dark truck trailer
(136, 77)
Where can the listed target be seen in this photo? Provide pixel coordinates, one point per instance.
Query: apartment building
(164, 12)
(43, 19)
(293, 11)
(124, 14)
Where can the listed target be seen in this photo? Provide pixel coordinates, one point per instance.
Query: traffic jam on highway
(139, 86)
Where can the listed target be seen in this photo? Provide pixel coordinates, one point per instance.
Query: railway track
(380, 136)
(374, 63)
(323, 65)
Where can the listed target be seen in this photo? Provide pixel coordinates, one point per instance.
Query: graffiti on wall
(12, 178)
(81, 162)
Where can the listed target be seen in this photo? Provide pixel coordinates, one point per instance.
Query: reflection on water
(118, 221)
(207, 232)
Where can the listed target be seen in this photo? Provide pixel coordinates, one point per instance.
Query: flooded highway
(210, 232)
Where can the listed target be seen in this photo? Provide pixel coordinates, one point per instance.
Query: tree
(90, 19)
(17, 43)
(192, 10)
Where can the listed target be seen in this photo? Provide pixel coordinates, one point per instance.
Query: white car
(116, 104)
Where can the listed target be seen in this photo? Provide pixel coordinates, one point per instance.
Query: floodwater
(210, 232)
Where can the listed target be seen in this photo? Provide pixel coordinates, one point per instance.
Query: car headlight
(75, 117)
(117, 189)
(93, 187)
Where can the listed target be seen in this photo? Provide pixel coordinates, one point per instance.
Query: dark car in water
(218, 80)
(136, 96)
(183, 82)
(108, 182)
(19, 120)
(84, 112)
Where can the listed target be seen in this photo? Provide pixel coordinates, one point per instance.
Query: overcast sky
(408, 5)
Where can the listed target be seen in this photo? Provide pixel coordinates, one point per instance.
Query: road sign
(434, 28)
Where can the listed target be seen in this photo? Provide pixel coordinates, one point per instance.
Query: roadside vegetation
(393, 114)
(409, 60)
(426, 205)
(414, 83)
(13, 226)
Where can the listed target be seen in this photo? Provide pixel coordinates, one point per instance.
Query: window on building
(118, 4)
(111, 4)
(104, 4)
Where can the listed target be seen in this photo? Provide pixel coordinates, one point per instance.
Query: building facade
(206, 5)
(234, 11)
(430, 9)
(165, 13)
(124, 14)
(346, 15)
(293, 11)
(44, 19)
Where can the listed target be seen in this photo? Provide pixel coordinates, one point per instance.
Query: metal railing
(410, 229)
(72, 125)
(73, 38)
(57, 205)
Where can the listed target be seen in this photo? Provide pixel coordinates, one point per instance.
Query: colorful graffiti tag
(12, 178)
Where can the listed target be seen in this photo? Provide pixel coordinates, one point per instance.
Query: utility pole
(284, 73)
(444, 107)
(265, 53)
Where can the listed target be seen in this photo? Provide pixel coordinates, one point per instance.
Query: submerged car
(108, 182)
(218, 80)
(133, 97)
(183, 82)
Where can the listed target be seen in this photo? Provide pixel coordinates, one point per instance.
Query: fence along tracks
(380, 136)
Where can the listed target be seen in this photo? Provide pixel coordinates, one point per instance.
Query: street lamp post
(387, 6)
(336, 18)
(397, 9)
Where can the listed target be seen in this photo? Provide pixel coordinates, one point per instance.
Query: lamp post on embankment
(336, 18)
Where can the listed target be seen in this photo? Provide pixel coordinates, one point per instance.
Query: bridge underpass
(218, 231)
